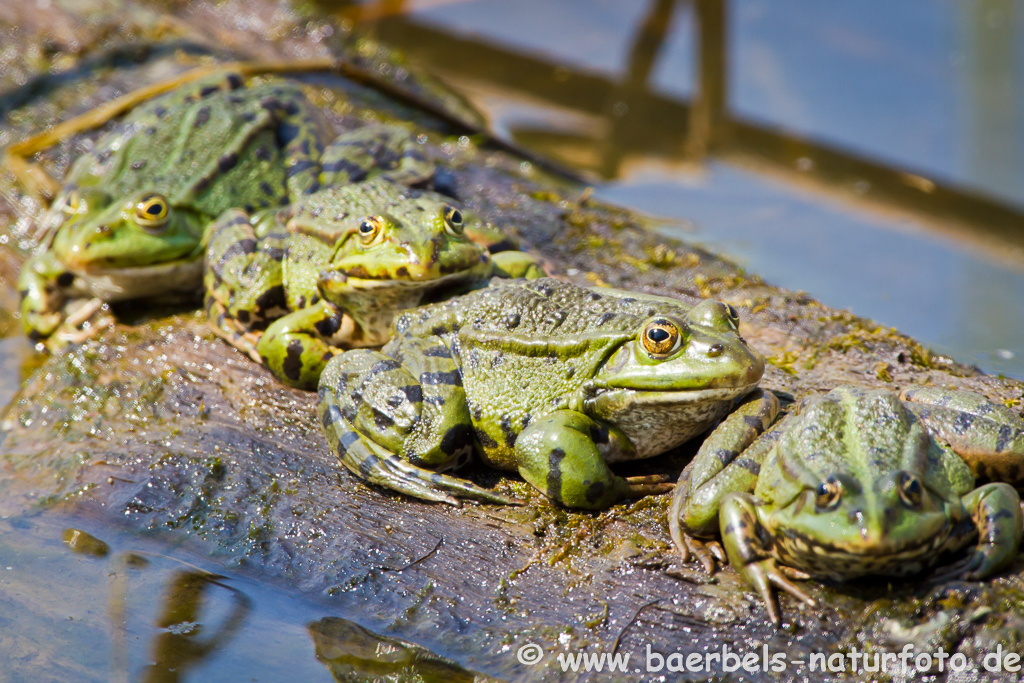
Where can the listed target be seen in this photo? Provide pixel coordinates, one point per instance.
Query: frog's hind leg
(988, 436)
(389, 151)
(389, 421)
(242, 280)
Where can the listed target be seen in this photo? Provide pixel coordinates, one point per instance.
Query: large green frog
(541, 377)
(131, 218)
(855, 483)
(333, 269)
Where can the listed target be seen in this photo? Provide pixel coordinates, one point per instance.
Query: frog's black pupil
(366, 227)
(153, 209)
(456, 217)
(822, 490)
(658, 335)
(733, 312)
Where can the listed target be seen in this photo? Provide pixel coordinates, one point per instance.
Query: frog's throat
(139, 282)
(655, 420)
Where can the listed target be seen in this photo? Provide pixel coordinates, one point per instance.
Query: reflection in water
(621, 125)
(187, 639)
(352, 653)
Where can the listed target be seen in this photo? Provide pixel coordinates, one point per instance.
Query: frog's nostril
(715, 350)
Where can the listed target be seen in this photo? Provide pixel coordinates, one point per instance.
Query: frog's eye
(371, 231)
(661, 337)
(734, 315)
(829, 493)
(151, 211)
(453, 221)
(910, 489)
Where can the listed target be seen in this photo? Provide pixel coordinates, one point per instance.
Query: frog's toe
(765, 575)
(706, 553)
(648, 485)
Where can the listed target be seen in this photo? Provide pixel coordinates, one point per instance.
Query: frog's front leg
(742, 537)
(39, 284)
(296, 347)
(386, 150)
(719, 469)
(995, 511)
(389, 421)
(563, 455)
(517, 264)
(243, 279)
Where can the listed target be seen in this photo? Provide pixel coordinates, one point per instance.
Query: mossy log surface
(160, 428)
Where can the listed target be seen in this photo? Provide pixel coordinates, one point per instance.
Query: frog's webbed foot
(707, 553)
(85, 321)
(230, 330)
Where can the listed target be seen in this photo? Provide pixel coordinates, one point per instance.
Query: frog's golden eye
(661, 337)
(734, 315)
(453, 221)
(371, 231)
(829, 493)
(151, 211)
(910, 489)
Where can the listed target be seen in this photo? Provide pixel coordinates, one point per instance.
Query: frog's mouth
(891, 559)
(618, 398)
(334, 281)
(138, 282)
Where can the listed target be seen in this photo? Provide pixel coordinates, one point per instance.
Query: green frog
(854, 483)
(538, 376)
(132, 217)
(332, 270)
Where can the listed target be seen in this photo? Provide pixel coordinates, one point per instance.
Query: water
(857, 94)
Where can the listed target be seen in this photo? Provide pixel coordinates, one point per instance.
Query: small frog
(132, 218)
(855, 483)
(333, 269)
(542, 377)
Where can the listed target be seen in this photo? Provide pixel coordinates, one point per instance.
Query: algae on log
(162, 429)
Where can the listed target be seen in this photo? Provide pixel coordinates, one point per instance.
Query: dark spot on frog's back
(402, 272)
(227, 162)
(139, 165)
(202, 117)
(292, 366)
(543, 289)
(273, 297)
(605, 318)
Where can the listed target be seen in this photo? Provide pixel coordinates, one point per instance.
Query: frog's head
(852, 494)
(104, 232)
(681, 370)
(420, 243)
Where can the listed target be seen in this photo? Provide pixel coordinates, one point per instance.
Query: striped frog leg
(994, 524)
(751, 558)
(718, 469)
(296, 347)
(389, 151)
(563, 455)
(398, 419)
(988, 436)
(243, 280)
